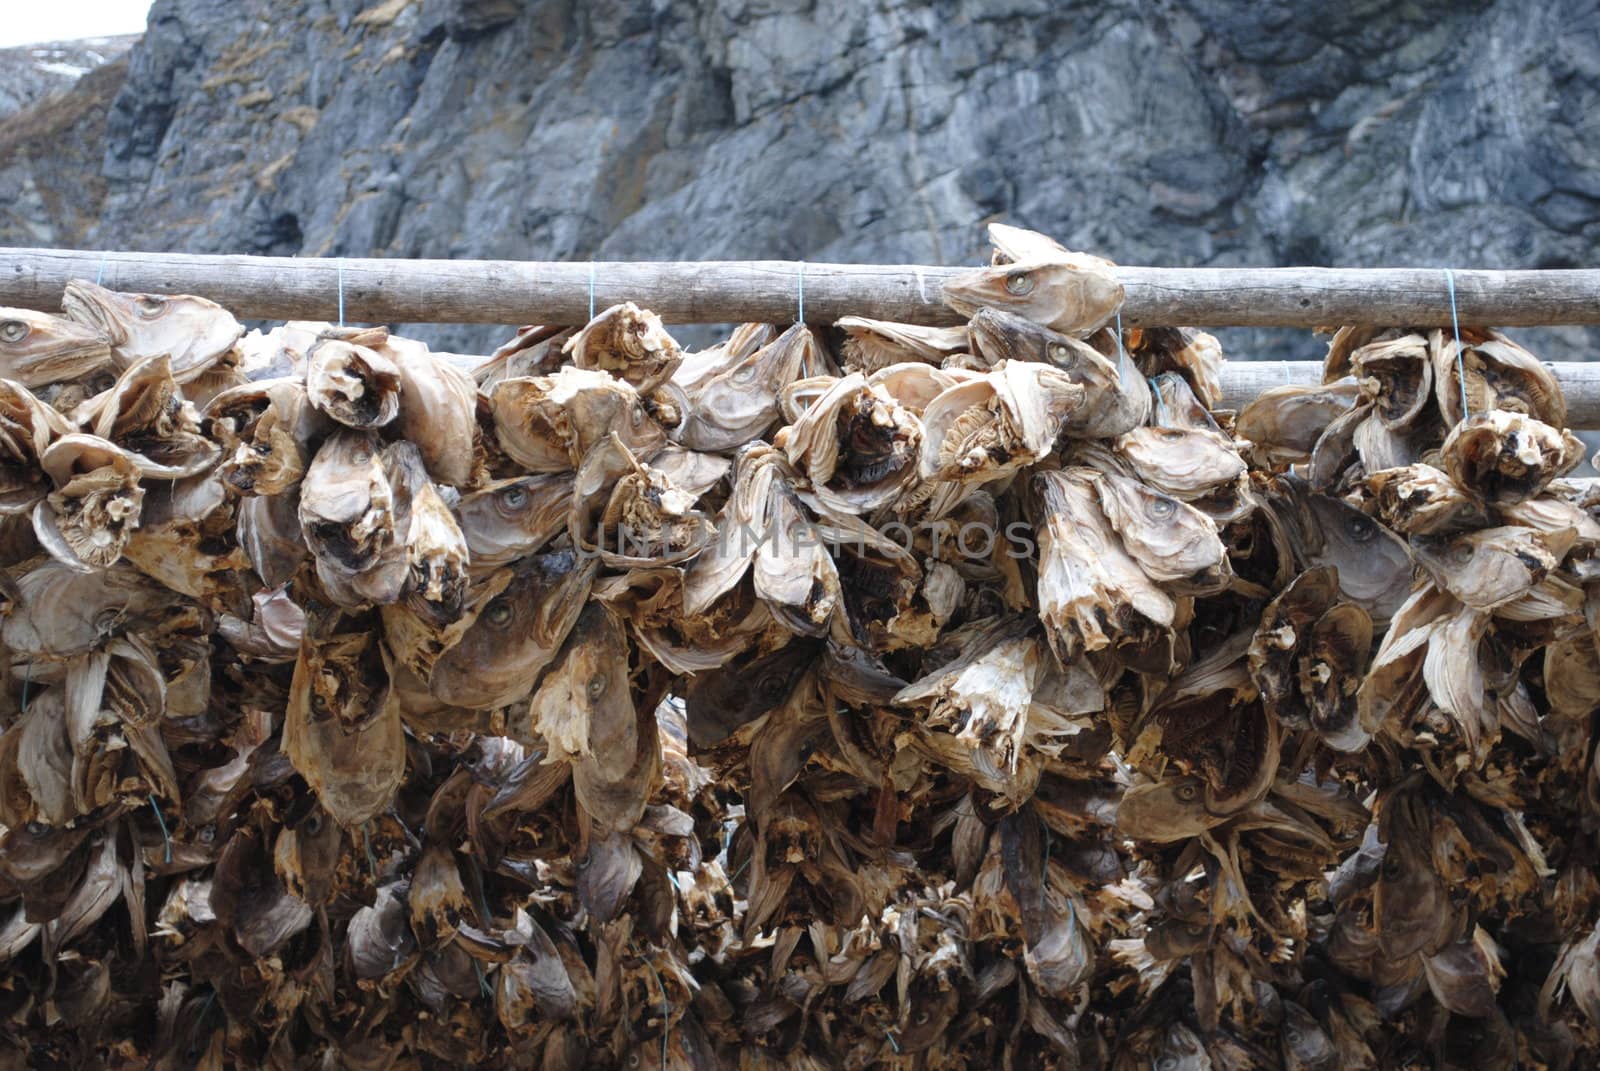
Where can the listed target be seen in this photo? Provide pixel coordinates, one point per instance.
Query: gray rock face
(1426, 133)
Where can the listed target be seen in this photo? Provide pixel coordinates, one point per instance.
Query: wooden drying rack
(768, 291)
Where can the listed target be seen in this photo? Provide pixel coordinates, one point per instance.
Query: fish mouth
(87, 305)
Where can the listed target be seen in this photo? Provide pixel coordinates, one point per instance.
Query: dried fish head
(1186, 463)
(37, 349)
(1073, 297)
(436, 550)
(1116, 398)
(193, 332)
(147, 414)
(342, 727)
(1283, 424)
(1500, 375)
(1374, 564)
(732, 395)
(1397, 375)
(632, 514)
(352, 383)
(60, 611)
(516, 622)
(27, 427)
(510, 519)
(980, 430)
(856, 444)
(267, 430)
(89, 517)
(1175, 405)
(983, 699)
(1490, 567)
(438, 410)
(1284, 633)
(1330, 670)
(1091, 594)
(1164, 811)
(1193, 355)
(535, 350)
(1410, 903)
(1175, 544)
(551, 423)
(870, 345)
(1505, 458)
(1419, 500)
(349, 517)
(629, 342)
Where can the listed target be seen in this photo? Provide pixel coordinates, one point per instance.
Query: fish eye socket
(514, 498)
(1361, 529)
(1187, 792)
(1162, 508)
(498, 612)
(319, 703)
(37, 829)
(1019, 283)
(1292, 1036)
(637, 414)
(13, 331)
(150, 306)
(1060, 354)
(597, 686)
(362, 456)
(1461, 553)
(1196, 929)
(207, 834)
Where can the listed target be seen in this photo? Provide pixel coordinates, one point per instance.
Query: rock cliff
(1430, 132)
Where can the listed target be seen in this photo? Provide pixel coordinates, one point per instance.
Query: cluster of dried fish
(872, 696)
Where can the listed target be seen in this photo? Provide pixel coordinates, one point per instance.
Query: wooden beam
(515, 292)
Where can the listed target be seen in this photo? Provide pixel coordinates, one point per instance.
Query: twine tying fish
(100, 275)
(1455, 323)
(800, 315)
(341, 291)
(591, 290)
(161, 820)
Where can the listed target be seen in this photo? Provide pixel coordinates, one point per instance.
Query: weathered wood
(513, 292)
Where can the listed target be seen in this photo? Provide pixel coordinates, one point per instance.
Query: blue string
(1461, 353)
(341, 291)
(166, 838)
(100, 275)
(800, 317)
(591, 290)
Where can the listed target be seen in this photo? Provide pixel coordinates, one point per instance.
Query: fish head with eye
(1062, 296)
(37, 349)
(192, 331)
(1164, 811)
(717, 703)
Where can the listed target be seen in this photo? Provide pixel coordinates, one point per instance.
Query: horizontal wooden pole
(516, 292)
